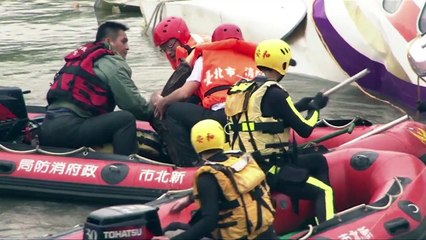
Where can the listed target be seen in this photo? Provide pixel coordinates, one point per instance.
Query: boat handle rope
(319, 140)
(365, 206)
(390, 200)
(136, 157)
(401, 188)
(37, 149)
(338, 127)
(308, 234)
(85, 151)
(16, 151)
(171, 192)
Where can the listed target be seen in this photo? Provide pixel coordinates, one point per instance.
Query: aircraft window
(391, 6)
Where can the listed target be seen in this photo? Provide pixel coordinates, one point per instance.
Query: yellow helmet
(207, 134)
(274, 54)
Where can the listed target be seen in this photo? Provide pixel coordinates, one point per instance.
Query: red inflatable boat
(379, 194)
(27, 169)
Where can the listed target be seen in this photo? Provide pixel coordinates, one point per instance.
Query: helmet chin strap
(209, 157)
(280, 78)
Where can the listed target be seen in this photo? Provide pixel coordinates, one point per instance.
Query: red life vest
(78, 83)
(224, 63)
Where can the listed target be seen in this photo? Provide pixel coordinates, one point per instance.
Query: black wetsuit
(274, 105)
(293, 181)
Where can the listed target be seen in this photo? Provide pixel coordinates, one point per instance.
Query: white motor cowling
(123, 222)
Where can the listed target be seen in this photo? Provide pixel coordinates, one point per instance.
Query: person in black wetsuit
(260, 115)
(230, 189)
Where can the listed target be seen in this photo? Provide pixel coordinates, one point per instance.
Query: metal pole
(347, 81)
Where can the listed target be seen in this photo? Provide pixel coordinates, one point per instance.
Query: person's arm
(182, 93)
(126, 94)
(209, 199)
(277, 103)
(303, 104)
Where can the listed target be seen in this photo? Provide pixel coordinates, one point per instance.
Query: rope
(338, 127)
(37, 149)
(85, 151)
(147, 160)
(172, 192)
(16, 151)
(401, 189)
(308, 234)
(382, 207)
(366, 206)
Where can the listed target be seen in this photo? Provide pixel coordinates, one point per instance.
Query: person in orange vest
(173, 37)
(221, 63)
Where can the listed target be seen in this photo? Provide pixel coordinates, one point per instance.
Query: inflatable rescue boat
(378, 195)
(84, 174)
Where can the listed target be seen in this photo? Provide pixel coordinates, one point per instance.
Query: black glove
(421, 106)
(303, 104)
(319, 102)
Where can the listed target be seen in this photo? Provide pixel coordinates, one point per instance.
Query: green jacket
(114, 70)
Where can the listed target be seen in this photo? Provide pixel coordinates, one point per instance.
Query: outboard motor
(13, 113)
(123, 222)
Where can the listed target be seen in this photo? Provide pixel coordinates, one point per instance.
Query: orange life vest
(224, 63)
(183, 51)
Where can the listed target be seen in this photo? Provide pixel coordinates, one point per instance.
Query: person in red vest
(173, 37)
(81, 101)
(220, 64)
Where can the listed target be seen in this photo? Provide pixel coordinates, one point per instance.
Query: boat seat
(150, 146)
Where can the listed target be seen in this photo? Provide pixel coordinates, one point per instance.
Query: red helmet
(171, 27)
(226, 31)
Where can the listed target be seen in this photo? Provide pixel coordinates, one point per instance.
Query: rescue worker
(261, 113)
(81, 101)
(230, 190)
(221, 63)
